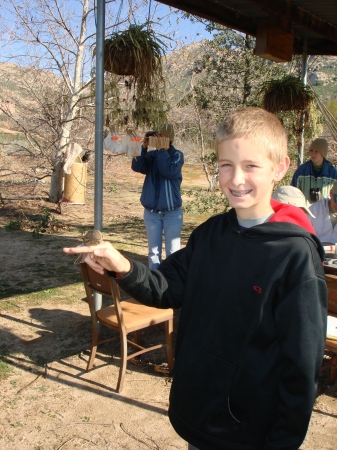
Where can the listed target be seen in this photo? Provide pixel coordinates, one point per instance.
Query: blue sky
(167, 21)
(184, 30)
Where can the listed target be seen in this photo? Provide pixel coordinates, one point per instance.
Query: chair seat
(135, 315)
(126, 316)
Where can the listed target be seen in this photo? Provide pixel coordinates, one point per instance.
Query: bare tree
(59, 36)
(34, 108)
(53, 36)
(56, 36)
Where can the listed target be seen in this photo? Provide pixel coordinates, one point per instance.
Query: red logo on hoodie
(258, 289)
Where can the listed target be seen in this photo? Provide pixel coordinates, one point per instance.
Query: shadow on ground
(33, 265)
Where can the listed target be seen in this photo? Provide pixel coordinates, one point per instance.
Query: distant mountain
(322, 71)
(18, 85)
(323, 76)
(178, 69)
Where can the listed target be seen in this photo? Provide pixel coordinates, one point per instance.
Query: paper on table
(329, 248)
(331, 332)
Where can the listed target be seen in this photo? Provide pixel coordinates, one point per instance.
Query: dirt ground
(47, 400)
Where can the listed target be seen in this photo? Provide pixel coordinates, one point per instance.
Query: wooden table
(331, 344)
(331, 282)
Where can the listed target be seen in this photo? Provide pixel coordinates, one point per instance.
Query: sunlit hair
(257, 124)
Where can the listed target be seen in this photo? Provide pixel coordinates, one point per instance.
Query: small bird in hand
(91, 237)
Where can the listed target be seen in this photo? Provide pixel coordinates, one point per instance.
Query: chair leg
(333, 370)
(137, 337)
(124, 359)
(169, 343)
(94, 343)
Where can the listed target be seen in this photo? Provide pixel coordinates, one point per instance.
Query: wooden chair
(124, 316)
(331, 344)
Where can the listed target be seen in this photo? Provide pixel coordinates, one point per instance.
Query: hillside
(323, 76)
(322, 71)
(178, 69)
(20, 87)
(15, 79)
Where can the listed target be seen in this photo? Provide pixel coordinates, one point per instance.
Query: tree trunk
(56, 183)
(74, 86)
(211, 184)
(247, 88)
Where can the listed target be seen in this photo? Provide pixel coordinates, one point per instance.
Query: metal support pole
(304, 81)
(99, 112)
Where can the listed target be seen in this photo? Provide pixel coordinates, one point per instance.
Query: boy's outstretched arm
(150, 287)
(102, 256)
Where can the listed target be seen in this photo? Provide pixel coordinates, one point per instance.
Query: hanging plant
(133, 58)
(127, 108)
(286, 94)
(150, 112)
(136, 51)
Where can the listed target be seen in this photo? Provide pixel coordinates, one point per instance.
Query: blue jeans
(171, 223)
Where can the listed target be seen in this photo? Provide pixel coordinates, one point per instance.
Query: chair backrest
(101, 284)
(331, 281)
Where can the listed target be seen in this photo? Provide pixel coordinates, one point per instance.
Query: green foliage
(15, 225)
(314, 123)
(287, 93)
(137, 97)
(142, 42)
(38, 225)
(210, 160)
(229, 73)
(292, 122)
(205, 202)
(126, 109)
(42, 223)
(295, 105)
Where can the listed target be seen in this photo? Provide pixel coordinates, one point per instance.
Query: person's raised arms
(102, 256)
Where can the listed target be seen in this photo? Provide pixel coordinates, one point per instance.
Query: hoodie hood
(287, 221)
(290, 214)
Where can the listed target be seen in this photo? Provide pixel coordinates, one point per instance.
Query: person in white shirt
(326, 217)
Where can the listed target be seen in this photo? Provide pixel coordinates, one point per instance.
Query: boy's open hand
(102, 256)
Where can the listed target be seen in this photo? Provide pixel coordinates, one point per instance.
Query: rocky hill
(178, 67)
(322, 71)
(323, 76)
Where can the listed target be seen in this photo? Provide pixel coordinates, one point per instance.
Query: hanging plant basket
(118, 61)
(136, 54)
(136, 51)
(286, 94)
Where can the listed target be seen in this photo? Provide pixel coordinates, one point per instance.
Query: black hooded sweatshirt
(251, 333)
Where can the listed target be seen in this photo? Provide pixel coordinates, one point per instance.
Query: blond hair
(257, 124)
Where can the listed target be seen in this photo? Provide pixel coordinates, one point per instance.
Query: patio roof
(310, 21)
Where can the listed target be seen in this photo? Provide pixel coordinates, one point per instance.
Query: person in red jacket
(250, 284)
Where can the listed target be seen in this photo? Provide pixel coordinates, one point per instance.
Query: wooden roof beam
(300, 17)
(216, 11)
(316, 47)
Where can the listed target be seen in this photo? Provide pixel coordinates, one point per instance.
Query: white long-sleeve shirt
(322, 224)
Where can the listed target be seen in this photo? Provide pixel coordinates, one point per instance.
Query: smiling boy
(251, 288)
